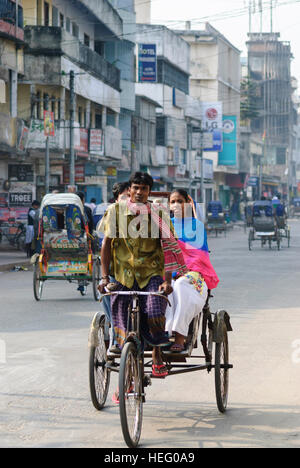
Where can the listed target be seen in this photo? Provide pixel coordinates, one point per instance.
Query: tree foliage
(248, 99)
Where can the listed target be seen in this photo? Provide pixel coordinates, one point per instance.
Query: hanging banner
(147, 63)
(212, 123)
(228, 156)
(49, 127)
(212, 113)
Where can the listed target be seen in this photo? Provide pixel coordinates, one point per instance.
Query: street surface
(44, 390)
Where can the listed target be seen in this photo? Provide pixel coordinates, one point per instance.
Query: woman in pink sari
(191, 289)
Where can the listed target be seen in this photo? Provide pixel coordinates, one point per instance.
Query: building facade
(215, 77)
(17, 188)
(269, 63)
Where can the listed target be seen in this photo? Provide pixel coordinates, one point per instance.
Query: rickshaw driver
(138, 264)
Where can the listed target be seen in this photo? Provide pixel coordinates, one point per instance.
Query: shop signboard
(82, 148)
(228, 156)
(79, 174)
(20, 199)
(20, 172)
(97, 142)
(147, 63)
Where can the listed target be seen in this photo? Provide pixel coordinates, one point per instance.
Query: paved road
(44, 395)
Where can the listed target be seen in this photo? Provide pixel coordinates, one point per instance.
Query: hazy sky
(231, 18)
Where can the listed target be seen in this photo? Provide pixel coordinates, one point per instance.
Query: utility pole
(47, 157)
(271, 13)
(72, 121)
(202, 168)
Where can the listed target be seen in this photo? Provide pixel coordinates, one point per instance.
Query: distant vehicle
(216, 218)
(264, 226)
(66, 246)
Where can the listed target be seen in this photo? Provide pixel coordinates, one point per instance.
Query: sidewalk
(11, 258)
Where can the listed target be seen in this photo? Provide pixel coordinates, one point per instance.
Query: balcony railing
(55, 41)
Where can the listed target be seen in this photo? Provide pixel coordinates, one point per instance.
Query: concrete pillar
(62, 103)
(104, 117)
(13, 93)
(88, 114)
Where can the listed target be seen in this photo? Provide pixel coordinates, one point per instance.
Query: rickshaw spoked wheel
(250, 240)
(96, 279)
(222, 372)
(99, 375)
(289, 238)
(38, 284)
(131, 395)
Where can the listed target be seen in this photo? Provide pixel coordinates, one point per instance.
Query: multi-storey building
(170, 91)
(14, 175)
(215, 77)
(270, 70)
(61, 38)
(122, 54)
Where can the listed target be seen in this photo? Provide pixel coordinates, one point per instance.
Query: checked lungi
(152, 309)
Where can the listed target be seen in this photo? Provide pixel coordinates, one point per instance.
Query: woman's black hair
(141, 178)
(119, 188)
(181, 192)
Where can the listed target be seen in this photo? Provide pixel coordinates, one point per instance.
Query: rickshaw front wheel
(222, 372)
(37, 283)
(131, 395)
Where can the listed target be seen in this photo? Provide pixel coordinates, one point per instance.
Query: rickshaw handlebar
(136, 293)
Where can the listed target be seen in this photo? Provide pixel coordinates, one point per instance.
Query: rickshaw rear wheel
(37, 283)
(250, 240)
(131, 395)
(96, 279)
(222, 372)
(99, 375)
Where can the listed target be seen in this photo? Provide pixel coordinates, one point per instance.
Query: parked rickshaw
(66, 246)
(216, 218)
(282, 222)
(264, 226)
(295, 209)
(134, 365)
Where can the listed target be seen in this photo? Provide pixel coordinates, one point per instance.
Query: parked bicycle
(14, 233)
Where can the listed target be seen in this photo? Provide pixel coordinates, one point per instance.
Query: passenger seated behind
(191, 290)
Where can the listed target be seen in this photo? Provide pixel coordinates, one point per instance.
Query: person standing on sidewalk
(31, 217)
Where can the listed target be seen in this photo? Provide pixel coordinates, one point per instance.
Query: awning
(234, 181)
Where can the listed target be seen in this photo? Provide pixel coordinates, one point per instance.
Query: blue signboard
(228, 156)
(147, 63)
(253, 181)
(217, 141)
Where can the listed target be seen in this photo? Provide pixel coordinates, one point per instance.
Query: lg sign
(212, 114)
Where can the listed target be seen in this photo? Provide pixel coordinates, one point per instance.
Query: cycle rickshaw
(264, 226)
(66, 246)
(282, 223)
(295, 210)
(216, 218)
(134, 365)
